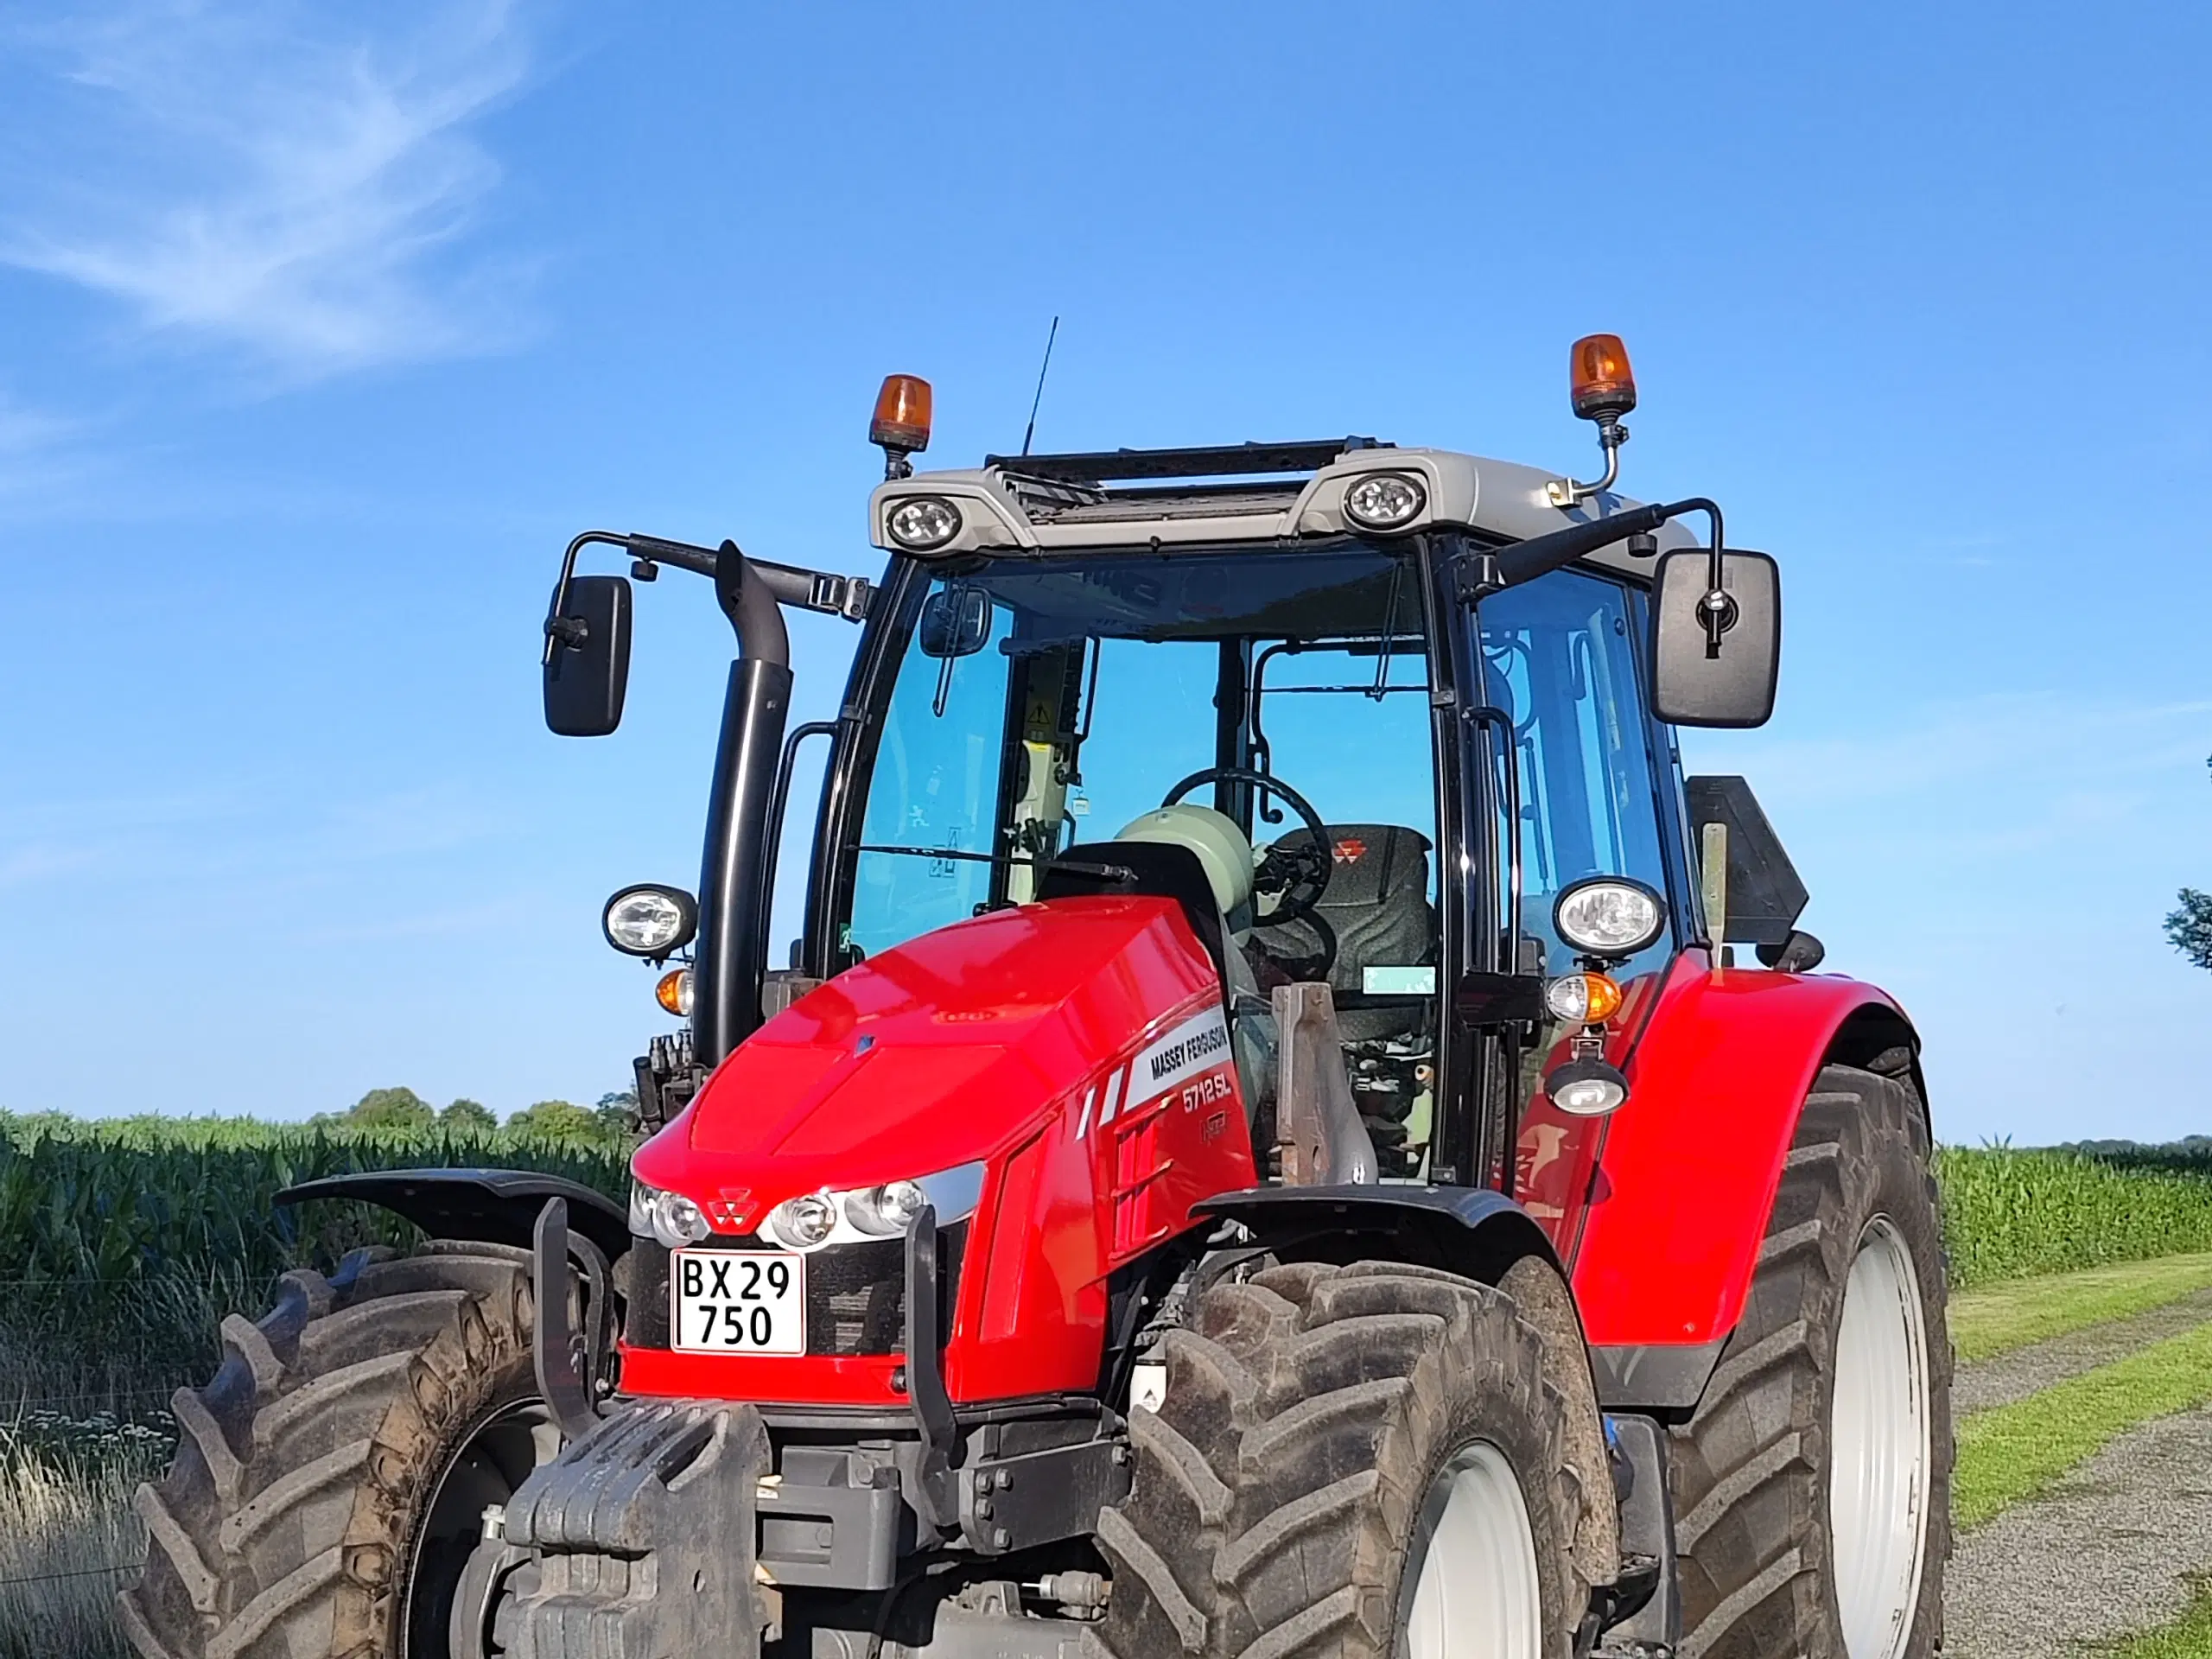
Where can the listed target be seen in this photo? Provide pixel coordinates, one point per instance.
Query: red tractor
(1260, 1150)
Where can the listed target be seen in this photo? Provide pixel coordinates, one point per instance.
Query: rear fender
(484, 1206)
(1686, 1174)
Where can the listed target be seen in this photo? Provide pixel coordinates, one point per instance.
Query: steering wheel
(1294, 878)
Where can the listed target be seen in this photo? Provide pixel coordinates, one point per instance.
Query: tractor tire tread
(1346, 1385)
(283, 1524)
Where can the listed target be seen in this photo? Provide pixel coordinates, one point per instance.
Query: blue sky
(322, 329)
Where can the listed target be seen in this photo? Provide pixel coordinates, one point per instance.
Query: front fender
(1465, 1229)
(1686, 1174)
(486, 1206)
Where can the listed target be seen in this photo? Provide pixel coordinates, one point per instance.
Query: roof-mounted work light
(901, 426)
(1602, 387)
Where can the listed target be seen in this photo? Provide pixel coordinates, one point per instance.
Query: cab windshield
(1037, 704)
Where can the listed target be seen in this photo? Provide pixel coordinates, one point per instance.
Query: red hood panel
(944, 1049)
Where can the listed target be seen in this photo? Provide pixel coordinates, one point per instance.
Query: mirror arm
(561, 629)
(1485, 570)
(809, 590)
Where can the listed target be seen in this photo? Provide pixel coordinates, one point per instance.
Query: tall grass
(2009, 1213)
(69, 1538)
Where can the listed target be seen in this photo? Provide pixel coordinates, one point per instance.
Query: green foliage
(2008, 1212)
(469, 1116)
(2189, 928)
(562, 1123)
(392, 1109)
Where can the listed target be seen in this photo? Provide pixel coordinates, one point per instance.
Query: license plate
(737, 1301)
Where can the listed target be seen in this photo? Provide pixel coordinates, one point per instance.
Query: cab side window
(1558, 657)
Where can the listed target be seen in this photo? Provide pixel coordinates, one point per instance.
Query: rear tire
(329, 1481)
(1356, 1462)
(1812, 1488)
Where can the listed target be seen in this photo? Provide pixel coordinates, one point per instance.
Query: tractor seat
(1161, 869)
(1377, 909)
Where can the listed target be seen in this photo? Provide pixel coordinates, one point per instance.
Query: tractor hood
(943, 1051)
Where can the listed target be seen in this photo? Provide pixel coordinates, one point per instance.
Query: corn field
(2009, 1213)
(98, 1216)
(122, 1243)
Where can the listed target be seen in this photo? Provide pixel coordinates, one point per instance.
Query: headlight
(803, 1222)
(669, 1218)
(885, 1211)
(1385, 501)
(923, 521)
(1609, 916)
(650, 920)
(814, 1219)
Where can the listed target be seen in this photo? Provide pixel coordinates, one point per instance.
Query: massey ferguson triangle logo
(1350, 850)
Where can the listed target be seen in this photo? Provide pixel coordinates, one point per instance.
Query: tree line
(609, 1121)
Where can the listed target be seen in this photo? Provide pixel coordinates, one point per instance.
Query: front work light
(1587, 1088)
(923, 523)
(1599, 378)
(650, 920)
(1609, 917)
(1385, 501)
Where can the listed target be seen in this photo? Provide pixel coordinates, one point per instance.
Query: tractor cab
(1288, 715)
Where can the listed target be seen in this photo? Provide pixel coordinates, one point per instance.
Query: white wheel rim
(1878, 1438)
(1476, 1592)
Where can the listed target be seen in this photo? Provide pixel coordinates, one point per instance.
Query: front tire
(1361, 1463)
(1812, 1487)
(328, 1482)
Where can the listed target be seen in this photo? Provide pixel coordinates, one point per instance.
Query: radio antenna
(1042, 369)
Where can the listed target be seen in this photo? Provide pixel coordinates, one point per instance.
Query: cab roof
(1268, 493)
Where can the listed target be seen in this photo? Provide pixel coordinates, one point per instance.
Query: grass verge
(2189, 1637)
(2011, 1452)
(1989, 1320)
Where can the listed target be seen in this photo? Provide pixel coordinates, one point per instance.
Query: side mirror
(956, 622)
(1694, 682)
(587, 668)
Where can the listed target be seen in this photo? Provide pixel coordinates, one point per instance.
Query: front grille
(855, 1293)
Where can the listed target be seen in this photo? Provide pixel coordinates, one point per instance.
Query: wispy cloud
(294, 179)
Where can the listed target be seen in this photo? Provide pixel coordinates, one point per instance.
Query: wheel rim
(491, 1461)
(1877, 1478)
(1476, 1593)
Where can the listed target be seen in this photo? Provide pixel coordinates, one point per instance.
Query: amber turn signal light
(1583, 999)
(674, 992)
(902, 415)
(1599, 378)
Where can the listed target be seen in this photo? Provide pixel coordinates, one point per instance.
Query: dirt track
(2107, 1552)
(2111, 1548)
